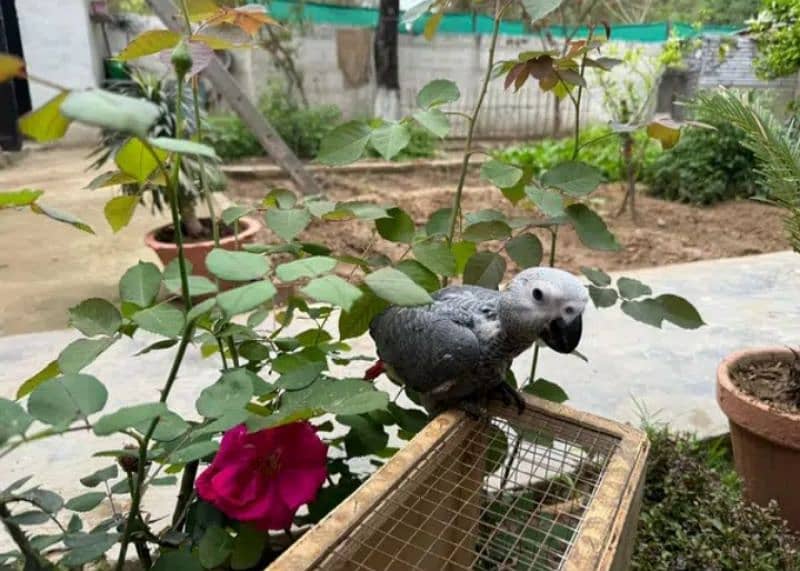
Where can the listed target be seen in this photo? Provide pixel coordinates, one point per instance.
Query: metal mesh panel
(491, 495)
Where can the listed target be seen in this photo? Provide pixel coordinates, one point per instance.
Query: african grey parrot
(458, 350)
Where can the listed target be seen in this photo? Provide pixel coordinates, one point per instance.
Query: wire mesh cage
(551, 489)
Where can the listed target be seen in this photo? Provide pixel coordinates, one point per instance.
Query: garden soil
(666, 233)
(776, 383)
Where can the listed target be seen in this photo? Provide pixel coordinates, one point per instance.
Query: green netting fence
(467, 23)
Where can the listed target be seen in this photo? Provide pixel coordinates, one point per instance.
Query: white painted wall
(59, 45)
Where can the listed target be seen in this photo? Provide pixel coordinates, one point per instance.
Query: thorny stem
(185, 493)
(577, 101)
(33, 559)
(234, 353)
(203, 183)
(473, 120)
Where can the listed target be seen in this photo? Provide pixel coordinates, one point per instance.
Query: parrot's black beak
(562, 337)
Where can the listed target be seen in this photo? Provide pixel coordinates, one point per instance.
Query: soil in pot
(167, 233)
(776, 383)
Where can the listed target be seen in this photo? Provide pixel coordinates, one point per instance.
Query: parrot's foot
(510, 396)
(474, 409)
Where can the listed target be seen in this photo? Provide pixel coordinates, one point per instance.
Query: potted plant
(759, 389)
(196, 175)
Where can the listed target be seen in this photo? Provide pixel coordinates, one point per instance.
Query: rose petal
(298, 487)
(277, 515)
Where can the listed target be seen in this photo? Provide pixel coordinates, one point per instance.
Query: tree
(387, 99)
(777, 33)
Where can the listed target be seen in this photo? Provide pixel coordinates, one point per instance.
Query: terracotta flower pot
(766, 441)
(196, 252)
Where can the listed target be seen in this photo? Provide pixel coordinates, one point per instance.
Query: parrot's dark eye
(537, 294)
(569, 310)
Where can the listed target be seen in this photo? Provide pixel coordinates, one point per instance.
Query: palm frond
(777, 151)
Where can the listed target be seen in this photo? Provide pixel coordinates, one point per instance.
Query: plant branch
(473, 119)
(33, 559)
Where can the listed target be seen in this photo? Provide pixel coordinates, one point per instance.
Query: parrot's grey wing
(426, 347)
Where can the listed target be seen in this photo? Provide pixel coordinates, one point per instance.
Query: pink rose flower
(264, 477)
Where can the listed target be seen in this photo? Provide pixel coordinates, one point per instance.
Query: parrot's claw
(510, 396)
(474, 410)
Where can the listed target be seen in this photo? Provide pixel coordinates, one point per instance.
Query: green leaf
(538, 9)
(128, 417)
(111, 111)
(86, 547)
(234, 213)
(165, 481)
(81, 353)
(14, 421)
(680, 312)
(631, 289)
(119, 211)
(184, 147)
(333, 290)
(485, 269)
(365, 436)
(647, 311)
(248, 547)
(287, 223)
(113, 178)
(215, 547)
(302, 376)
(501, 174)
(396, 287)
(434, 120)
(34, 517)
(149, 43)
(420, 275)
(254, 351)
(436, 255)
(47, 123)
(597, 276)
(550, 203)
(202, 308)
(134, 159)
(245, 298)
(170, 426)
(590, 228)
(236, 266)
(573, 177)
(96, 478)
(525, 250)
(462, 252)
(408, 419)
(192, 452)
(19, 198)
(399, 227)
(389, 139)
(231, 392)
(603, 297)
(355, 321)
(544, 389)
(162, 319)
(485, 231)
(62, 400)
(48, 372)
(61, 216)
(95, 316)
(485, 215)
(305, 268)
(345, 144)
(85, 502)
(439, 222)
(140, 284)
(438, 92)
(177, 561)
(497, 448)
(281, 198)
(198, 285)
(45, 500)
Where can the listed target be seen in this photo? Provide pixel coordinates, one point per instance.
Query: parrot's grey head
(547, 303)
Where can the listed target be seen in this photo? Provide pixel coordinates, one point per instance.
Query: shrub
(301, 128)
(694, 516)
(706, 166)
(604, 153)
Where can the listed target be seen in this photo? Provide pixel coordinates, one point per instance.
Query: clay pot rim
(747, 411)
(250, 226)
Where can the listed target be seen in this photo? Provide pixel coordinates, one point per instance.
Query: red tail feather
(374, 371)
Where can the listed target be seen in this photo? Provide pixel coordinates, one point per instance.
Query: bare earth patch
(667, 232)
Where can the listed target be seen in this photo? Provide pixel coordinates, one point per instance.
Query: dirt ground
(667, 232)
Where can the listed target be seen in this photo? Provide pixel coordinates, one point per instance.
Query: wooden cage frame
(604, 540)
